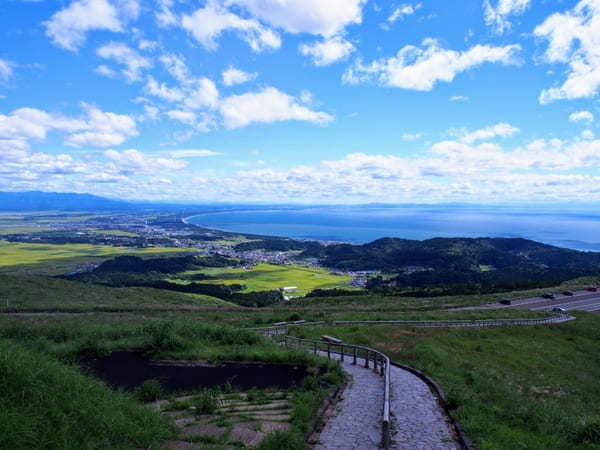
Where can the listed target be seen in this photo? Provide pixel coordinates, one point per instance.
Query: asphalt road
(581, 301)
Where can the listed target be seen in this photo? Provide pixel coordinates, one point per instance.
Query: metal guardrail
(380, 363)
(557, 318)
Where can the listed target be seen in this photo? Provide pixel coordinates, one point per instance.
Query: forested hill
(455, 254)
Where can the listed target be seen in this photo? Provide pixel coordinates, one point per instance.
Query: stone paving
(418, 422)
(357, 425)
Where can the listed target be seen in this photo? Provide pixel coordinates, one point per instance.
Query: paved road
(581, 301)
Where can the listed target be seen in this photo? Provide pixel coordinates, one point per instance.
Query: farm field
(264, 277)
(25, 254)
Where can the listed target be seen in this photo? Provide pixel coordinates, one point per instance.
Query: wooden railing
(370, 357)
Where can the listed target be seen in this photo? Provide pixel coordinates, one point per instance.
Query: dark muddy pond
(127, 370)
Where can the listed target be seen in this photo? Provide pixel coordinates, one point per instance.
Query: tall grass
(45, 404)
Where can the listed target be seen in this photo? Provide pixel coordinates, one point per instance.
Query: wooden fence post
(342, 350)
(328, 350)
(354, 362)
(367, 360)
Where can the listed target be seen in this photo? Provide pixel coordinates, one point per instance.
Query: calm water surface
(578, 230)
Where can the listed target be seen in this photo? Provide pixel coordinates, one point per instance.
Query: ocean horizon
(575, 229)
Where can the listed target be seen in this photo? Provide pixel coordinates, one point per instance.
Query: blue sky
(344, 101)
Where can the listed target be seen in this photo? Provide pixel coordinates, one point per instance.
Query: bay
(359, 224)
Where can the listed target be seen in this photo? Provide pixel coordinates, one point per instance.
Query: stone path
(357, 424)
(418, 422)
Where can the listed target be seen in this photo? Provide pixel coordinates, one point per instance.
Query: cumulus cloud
(102, 129)
(573, 39)
(499, 130)
(233, 76)
(162, 91)
(187, 117)
(458, 98)
(497, 17)
(267, 106)
(67, 28)
(328, 51)
(165, 16)
(421, 68)
(403, 10)
(208, 23)
(203, 93)
(176, 66)
(581, 116)
(134, 161)
(6, 70)
(325, 18)
(122, 54)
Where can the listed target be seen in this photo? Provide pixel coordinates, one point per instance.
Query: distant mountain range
(47, 201)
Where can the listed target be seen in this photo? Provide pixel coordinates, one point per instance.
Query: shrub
(206, 401)
(149, 391)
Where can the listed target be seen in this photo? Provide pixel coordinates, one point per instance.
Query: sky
(302, 101)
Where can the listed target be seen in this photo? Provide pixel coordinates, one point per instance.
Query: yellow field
(13, 254)
(268, 276)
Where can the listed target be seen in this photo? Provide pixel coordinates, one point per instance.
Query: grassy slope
(518, 387)
(44, 404)
(268, 276)
(32, 293)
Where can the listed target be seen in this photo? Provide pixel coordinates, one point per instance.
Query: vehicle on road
(548, 296)
(591, 289)
(559, 309)
(568, 293)
(505, 301)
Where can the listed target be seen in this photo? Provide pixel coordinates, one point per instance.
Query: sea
(568, 227)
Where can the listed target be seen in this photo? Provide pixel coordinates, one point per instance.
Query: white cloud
(105, 71)
(150, 112)
(203, 93)
(581, 116)
(162, 91)
(498, 130)
(208, 23)
(573, 39)
(165, 16)
(588, 134)
(497, 17)
(199, 153)
(176, 66)
(135, 162)
(102, 129)
(145, 44)
(267, 106)
(187, 117)
(68, 27)
(328, 51)
(458, 98)
(134, 62)
(412, 136)
(233, 76)
(5, 70)
(403, 10)
(420, 69)
(325, 18)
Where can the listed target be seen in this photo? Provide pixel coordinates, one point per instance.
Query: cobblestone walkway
(418, 422)
(357, 424)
